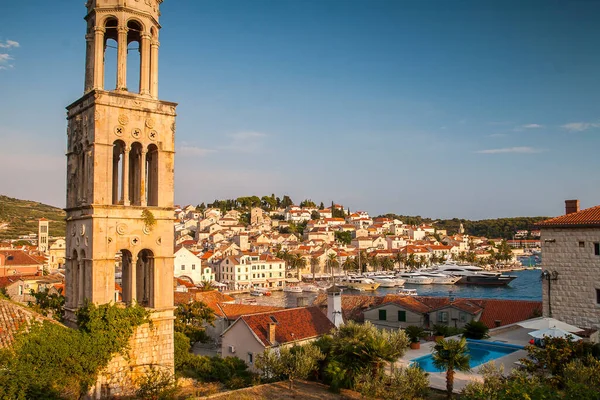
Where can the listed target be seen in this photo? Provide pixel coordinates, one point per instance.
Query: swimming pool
(480, 351)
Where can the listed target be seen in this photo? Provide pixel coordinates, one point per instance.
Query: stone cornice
(124, 9)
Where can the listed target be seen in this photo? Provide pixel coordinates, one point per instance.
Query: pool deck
(510, 334)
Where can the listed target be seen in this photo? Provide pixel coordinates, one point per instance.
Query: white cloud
(193, 151)
(532, 126)
(9, 44)
(580, 126)
(522, 149)
(5, 58)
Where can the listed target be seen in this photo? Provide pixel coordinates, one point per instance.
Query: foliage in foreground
(404, 384)
(476, 330)
(51, 361)
(451, 355)
(231, 371)
(48, 304)
(190, 319)
(293, 363)
(562, 370)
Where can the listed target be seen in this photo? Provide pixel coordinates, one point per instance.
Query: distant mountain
(20, 217)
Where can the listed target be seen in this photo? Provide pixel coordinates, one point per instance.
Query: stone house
(13, 261)
(190, 265)
(19, 287)
(571, 276)
(251, 335)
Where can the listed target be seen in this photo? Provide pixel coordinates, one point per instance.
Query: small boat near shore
(407, 292)
(292, 289)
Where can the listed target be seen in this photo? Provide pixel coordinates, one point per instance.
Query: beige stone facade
(570, 293)
(120, 172)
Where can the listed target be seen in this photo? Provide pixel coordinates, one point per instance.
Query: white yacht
(439, 278)
(415, 278)
(472, 275)
(309, 288)
(292, 289)
(384, 281)
(360, 283)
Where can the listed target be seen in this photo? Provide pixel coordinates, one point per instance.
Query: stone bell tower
(121, 142)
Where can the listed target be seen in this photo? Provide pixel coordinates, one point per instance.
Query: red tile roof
(14, 317)
(18, 257)
(508, 311)
(234, 311)
(353, 306)
(291, 325)
(587, 217)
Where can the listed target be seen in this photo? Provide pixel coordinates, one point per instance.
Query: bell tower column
(98, 57)
(145, 65)
(122, 59)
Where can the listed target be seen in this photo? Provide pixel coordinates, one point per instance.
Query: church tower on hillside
(120, 159)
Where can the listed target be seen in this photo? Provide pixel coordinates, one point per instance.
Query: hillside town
(267, 298)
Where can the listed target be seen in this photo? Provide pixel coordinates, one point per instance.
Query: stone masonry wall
(151, 348)
(573, 294)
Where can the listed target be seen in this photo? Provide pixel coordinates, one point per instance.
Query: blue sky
(470, 109)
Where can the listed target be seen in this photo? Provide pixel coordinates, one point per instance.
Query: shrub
(476, 330)
(404, 384)
(414, 333)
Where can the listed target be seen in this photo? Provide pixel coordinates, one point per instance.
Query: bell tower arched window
(109, 55)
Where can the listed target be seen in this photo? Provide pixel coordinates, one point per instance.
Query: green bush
(52, 361)
(476, 330)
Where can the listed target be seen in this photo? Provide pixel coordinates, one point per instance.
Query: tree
(405, 383)
(307, 203)
(476, 330)
(360, 348)
(314, 266)
(451, 355)
(315, 216)
(294, 363)
(332, 262)
(286, 201)
(47, 303)
(190, 319)
(344, 237)
(349, 264)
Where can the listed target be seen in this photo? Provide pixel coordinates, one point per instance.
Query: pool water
(480, 351)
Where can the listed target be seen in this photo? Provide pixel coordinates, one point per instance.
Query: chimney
(571, 206)
(271, 336)
(302, 301)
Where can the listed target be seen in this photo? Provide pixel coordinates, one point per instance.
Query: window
(270, 274)
(597, 296)
(462, 317)
(582, 244)
(597, 249)
(20, 290)
(442, 316)
(238, 270)
(402, 316)
(382, 315)
(182, 267)
(280, 274)
(250, 358)
(193, 267)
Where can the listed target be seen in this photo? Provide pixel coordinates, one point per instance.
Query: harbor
(526, 286)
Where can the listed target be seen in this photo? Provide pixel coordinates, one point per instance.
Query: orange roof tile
(292, 324)
(587, 217)
(234, 311)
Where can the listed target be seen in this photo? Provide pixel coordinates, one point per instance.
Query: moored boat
(292, 289)
(416, 278)
(407, 292)
(360, 283)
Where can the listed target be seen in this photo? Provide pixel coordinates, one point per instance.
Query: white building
(189, 265)
(252, 270)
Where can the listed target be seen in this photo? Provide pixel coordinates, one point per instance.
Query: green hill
(20, 217)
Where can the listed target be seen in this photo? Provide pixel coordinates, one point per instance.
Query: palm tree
(332, 262)
(386, 264)
(299, 263)
(400, 258)
(350, 264)
(314, 265)
(451, 355)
